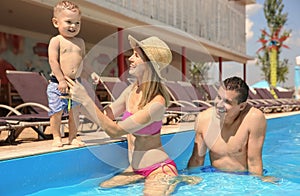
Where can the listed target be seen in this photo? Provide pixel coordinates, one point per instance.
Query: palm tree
(199, 72)
(273, 69)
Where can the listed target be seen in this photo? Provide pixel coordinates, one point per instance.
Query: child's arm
(83, 48)
(53, 55)
(86, 70)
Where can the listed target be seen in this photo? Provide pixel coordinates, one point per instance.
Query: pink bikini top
(151, 129)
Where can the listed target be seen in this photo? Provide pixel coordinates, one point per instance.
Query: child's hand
(96, 78)
(62, 86)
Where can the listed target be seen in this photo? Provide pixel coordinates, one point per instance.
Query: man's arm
(255, 142)
(199, 150)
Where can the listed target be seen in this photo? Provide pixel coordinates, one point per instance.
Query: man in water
(233, 132)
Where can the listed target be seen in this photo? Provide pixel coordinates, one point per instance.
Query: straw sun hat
(156, 50)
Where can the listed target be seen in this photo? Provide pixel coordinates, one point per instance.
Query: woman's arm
(79, 94)
(153, 111)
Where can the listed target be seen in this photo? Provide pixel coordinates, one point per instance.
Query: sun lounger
(31, 86)
(284, 94)
(114, 86)
(286, 105)
(182, 104)
(211, 91)
(264, 105)
(180, 96)
(5, 125)
(15, 121)
(196, 95)
(288, 96)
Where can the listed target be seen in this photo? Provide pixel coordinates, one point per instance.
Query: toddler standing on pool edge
(65, 52)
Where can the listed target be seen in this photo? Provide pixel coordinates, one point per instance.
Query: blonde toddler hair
(65, 5)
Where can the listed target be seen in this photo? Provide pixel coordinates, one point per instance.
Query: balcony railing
(219, 21)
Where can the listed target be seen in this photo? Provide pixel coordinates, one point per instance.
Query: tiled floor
(29, 145)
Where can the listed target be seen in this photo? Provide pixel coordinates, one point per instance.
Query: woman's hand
(96, 78)
(77, 92)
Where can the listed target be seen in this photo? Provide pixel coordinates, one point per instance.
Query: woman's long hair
(152, 85)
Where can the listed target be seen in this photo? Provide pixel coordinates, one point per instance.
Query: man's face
(226, 102)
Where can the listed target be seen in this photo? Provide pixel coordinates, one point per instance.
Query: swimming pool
(79, 171)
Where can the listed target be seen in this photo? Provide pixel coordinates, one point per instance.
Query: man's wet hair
(239, 85)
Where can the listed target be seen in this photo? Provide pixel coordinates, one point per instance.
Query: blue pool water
(79, 171)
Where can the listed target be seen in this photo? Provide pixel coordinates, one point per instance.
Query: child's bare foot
(77, 142)
(57, 143)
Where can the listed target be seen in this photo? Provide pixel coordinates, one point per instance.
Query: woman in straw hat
(143, 105)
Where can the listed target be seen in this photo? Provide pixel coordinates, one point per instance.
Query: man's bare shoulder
(256, 122)
(255, 113)
(255, 119)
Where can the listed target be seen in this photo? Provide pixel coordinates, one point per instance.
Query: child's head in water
(67, 18)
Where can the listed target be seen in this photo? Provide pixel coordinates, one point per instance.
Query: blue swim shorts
(210, 168)
(57, 104)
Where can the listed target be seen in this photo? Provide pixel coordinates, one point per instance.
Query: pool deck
(28, 143)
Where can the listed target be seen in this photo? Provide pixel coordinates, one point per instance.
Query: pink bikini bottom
(148, 170)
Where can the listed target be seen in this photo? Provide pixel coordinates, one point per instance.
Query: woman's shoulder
(126, 92)
(129, 88)
(159, 99)
(158, 102)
